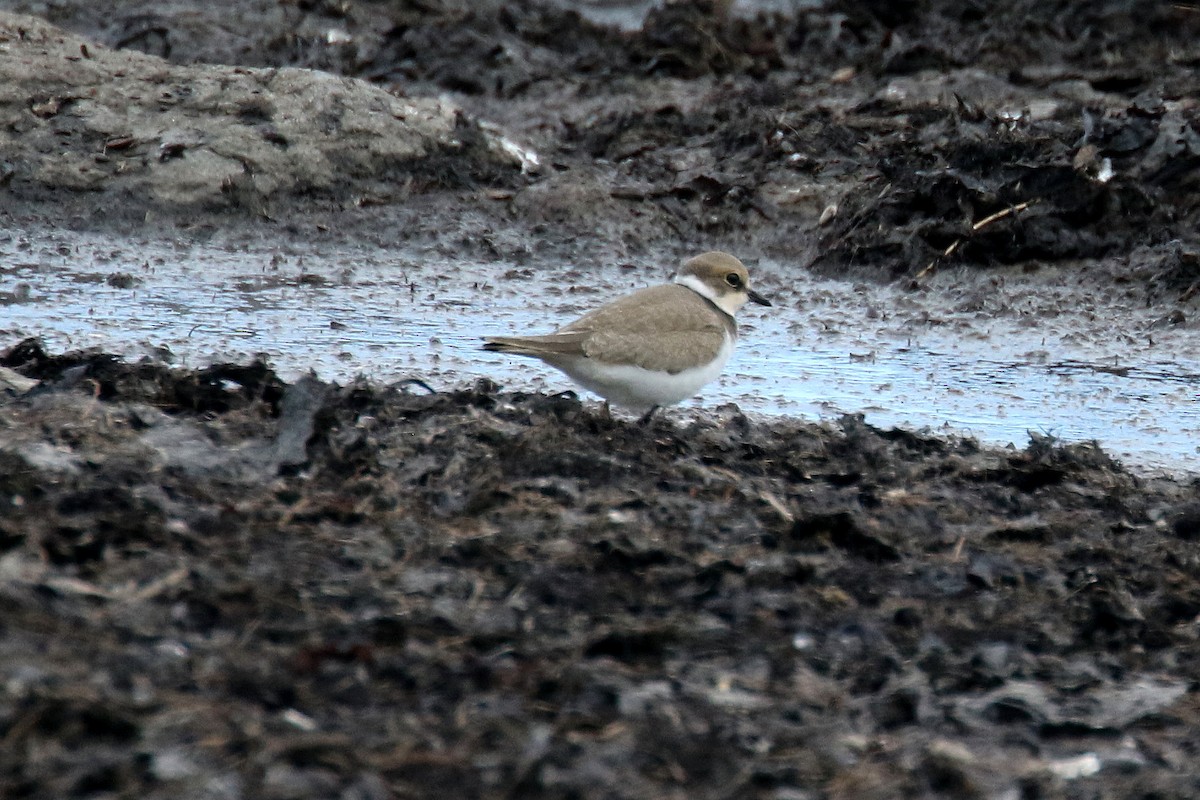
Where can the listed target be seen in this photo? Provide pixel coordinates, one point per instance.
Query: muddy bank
(216, 584)
(844, 137)
(83, 118)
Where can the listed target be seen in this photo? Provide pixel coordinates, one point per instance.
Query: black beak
(755, 297)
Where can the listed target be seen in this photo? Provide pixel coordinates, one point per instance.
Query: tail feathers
(536, 346)
(496, 344)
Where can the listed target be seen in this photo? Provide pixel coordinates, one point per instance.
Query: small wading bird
(655, 347)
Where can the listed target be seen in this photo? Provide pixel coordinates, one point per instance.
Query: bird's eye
(734, 280)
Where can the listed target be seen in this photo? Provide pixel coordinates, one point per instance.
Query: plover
(655, 347)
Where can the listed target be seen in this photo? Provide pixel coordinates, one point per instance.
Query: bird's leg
(645, 419)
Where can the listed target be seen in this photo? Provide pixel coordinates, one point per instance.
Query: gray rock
(14, 383)
(76, 115)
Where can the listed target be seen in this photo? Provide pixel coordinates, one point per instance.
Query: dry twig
(975, 228)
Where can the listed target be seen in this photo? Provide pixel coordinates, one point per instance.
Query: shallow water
(988, 355)
(629, 14)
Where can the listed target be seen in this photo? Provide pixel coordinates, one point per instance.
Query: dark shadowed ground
(217, 585)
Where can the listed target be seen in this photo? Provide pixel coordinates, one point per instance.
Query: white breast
(638, 388)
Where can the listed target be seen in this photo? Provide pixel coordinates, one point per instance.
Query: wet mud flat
(986, 356)
(216, 584)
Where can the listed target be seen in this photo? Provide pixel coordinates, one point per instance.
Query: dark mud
(218, 585)
(215, 584)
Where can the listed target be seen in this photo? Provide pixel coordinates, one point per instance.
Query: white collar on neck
(729, 302)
